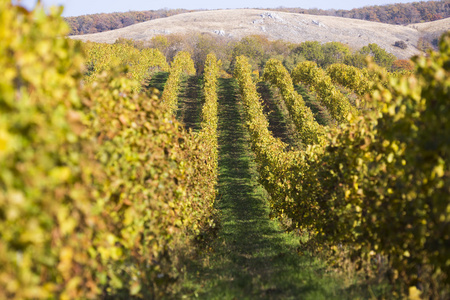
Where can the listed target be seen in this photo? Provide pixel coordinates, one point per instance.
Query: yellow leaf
(60, 174)
(135, 288)
(390, 157)
(438, 171)
(414, 293)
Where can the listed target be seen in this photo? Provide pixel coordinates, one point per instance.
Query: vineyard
(105, 193)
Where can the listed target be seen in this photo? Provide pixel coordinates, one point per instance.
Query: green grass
(190, 102)
(320, 112)
(252, 258)
(280, 125)
(158, 80)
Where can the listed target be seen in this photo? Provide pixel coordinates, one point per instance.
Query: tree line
(398, 13)
(109, 21)
(258, 49)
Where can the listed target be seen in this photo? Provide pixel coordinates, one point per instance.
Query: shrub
(402, 64)
(401, 44)
(423, 44)
(380, 56)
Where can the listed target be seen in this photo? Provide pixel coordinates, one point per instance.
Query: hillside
(295, 28)
(399, 14)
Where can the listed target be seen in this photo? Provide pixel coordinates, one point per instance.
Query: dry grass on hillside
(237, 23)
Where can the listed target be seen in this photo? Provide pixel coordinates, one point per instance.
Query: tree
(254, 47)
(380, 56)
(204, 44)
(160, 42)
(334, 52)
(311, 51)
(356, 59)
(293, 60)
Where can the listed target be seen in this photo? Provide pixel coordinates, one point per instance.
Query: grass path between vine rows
(251, 258)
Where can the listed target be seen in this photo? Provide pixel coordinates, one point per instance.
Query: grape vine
(182, 63)
(337, 104)
(310, 131)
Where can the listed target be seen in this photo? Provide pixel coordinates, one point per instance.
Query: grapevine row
(337, 104)
(381, 184)
(278, 169)
(97, 182)
(139, 63)
(143, 191)
(182, 63)
(210, 115)
(202, 156)
(355, 79)
(310, 131)
(200, 148)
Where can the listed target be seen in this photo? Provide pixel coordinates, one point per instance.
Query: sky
(84, 7)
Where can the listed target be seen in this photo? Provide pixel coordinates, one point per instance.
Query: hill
(399, 13)
(296, 28)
